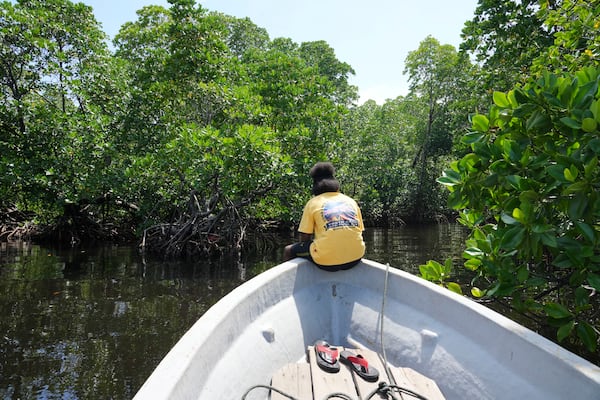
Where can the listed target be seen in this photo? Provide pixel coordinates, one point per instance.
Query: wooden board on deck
(308, 381)
(410, 379)
(325, 383)
(365, 387)
(294, 380)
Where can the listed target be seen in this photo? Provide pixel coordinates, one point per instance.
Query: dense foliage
(195, 114)
(194, 109)
(528, 190)
(196, 127)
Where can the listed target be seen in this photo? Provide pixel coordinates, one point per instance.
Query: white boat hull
(471, 351)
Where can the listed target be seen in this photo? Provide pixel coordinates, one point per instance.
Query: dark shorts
(302, 249)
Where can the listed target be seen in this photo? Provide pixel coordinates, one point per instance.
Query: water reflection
(92, 323)
(408, 247)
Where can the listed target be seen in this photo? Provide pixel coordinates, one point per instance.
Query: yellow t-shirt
(335, 221)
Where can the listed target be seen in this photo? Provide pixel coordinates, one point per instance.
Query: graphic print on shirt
(339, 214)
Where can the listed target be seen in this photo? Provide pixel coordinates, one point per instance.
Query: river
(93, 322)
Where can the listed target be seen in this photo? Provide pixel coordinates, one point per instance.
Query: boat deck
(306, 381)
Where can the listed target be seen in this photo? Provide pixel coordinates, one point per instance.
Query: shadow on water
(93, 323)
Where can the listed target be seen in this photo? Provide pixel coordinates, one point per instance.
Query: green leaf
(536, 282)
(541, 228)
(568, 175)
(585, 95)
(490, 180)
(513, 238)
(553, 100)
(565, 330)
(577, 278)
(524, 110)
(587, 231)
(529, 196)
(577, 206)
(448, 265)
(472, 137)
(472, 252)
(512, 98)
(468, 162)
(595, 109)
(515, 181)
(594, 145)
(522, 274)
(571, 173)
(501, 100)
(519, 96)
(455, 287)
(519, 215)
(476, 292)
(571, 123)
(588, 335)
(582, 297)
(432, 271)
(589, 125)
(577, 187)
(594, 280)
(492, 291)
(449, 178)
(538, 120)
(548, 239)
(456, 200)
(472, 264)
(590, 167)
(562, 261)
(481, 123)
(557, 171)
(566, 89)
(557, 311)
(508, 220)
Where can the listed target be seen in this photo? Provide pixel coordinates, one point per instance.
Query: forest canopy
(195, 128)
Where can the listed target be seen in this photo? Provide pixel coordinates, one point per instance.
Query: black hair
(323, 178)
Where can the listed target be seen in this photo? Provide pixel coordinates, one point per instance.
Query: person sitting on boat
(331, 226)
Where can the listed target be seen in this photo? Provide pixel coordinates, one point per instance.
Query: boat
(467, 349)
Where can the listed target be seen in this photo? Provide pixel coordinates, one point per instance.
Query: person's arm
(305, 237)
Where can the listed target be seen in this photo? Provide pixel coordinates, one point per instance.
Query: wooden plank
(427, 387)
(326, 383)
(404, 382)
(364, 387)
(294, 380)
(410, 379)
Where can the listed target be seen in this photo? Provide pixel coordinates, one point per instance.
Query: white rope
(385, 289)
(384, 388)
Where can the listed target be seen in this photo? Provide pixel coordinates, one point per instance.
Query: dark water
(93, 323)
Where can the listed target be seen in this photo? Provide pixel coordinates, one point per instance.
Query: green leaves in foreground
(566, 323)
(528, 190)
(438, 273)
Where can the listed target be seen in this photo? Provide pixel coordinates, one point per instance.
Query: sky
(373, 37)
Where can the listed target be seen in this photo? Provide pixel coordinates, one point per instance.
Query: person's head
(323, 177)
